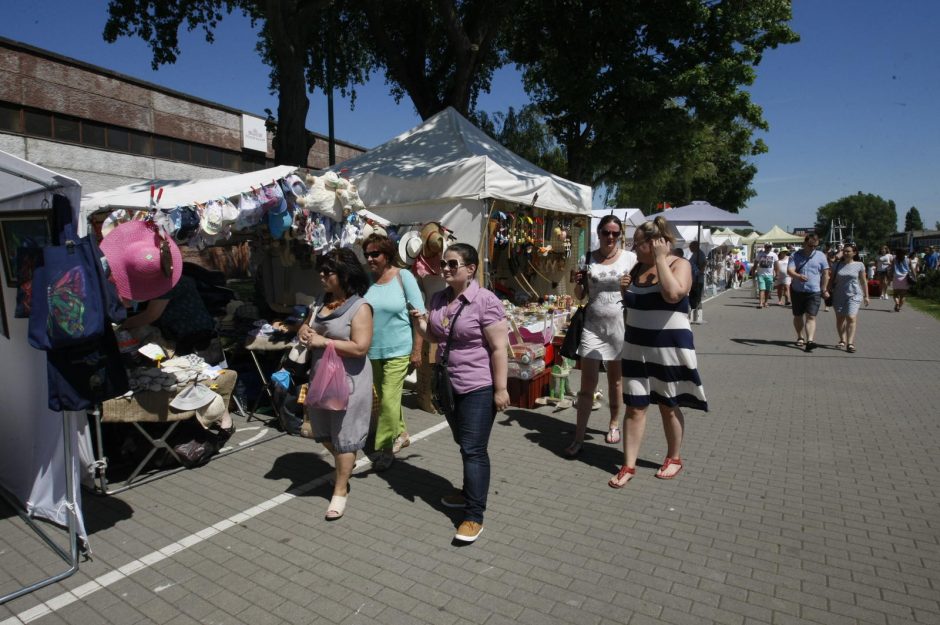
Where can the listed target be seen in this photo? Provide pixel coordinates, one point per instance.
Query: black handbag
(569, 347)
(442, 393)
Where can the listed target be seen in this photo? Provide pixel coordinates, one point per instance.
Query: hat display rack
(531, 251)
(318, 212)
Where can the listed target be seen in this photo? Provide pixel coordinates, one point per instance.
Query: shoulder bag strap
(453, 322)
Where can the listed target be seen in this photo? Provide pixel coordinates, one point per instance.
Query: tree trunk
(291, 141)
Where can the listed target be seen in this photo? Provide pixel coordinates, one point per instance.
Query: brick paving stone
(805, 499)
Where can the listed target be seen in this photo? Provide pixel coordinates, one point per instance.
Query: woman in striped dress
(659, 364)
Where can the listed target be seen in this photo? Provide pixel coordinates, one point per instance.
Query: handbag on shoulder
(442, 393)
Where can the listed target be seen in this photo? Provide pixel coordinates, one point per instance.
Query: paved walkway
(810, 495)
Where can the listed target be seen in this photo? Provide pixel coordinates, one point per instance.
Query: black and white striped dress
(659, 363)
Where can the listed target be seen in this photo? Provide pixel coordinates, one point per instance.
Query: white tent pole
(71, 558)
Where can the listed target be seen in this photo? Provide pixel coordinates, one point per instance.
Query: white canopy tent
(629, 217)
(690, 233)
(448, 170)
(137, 196)
(730, 237)
(39, 448)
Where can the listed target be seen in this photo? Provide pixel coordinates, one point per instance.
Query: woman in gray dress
(848, 288)
(345, 319)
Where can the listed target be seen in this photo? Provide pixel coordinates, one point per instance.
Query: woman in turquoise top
(395, 347)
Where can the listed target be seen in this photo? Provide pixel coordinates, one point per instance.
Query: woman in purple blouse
(477, 365)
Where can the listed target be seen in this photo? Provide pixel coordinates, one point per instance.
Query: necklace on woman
(612, 254)
(335, 304)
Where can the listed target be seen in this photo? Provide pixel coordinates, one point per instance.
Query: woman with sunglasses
(472, 320)
(848, 288)
(659, 363)
(342, 317)
(602, 339)
(394, 350)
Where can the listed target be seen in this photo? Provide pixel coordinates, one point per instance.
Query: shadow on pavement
(412, 483)
(555, 435)
(103, 512)
(300, 468)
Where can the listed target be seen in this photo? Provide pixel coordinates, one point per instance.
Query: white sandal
(337, 508)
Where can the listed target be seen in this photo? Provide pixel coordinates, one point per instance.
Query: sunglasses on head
(453, 265)
(373, 254)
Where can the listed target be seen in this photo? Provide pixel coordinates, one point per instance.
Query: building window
(10, 118)
(93, 134)
(38, 124)
(180, 150)
(67, 129)
(198, 154)
(161, 148)
(117, 139)
(139, 142)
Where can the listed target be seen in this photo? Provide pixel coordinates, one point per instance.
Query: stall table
(148, 407)
(259, 346)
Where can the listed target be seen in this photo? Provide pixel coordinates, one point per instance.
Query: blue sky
(852, 107)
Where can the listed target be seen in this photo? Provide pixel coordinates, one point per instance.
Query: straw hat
(144, 264)
(208, 405)
(409, 247)
(432, 239)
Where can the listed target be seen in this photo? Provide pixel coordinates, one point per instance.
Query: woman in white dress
(602, 340)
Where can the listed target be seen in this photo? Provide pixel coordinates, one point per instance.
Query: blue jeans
(471, 424)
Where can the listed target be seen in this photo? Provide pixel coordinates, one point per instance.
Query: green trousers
(388, 376)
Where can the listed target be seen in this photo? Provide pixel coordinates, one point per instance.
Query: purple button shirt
(469, 357)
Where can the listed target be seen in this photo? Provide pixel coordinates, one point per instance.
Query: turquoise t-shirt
(391, 336)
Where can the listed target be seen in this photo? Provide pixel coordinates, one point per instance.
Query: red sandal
(666, 464)
(614, 482)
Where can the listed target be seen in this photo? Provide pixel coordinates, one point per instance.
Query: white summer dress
(602, 338)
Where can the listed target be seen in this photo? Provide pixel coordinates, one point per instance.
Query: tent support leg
(70, 558)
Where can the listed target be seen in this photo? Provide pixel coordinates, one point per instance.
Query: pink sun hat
(144, 264)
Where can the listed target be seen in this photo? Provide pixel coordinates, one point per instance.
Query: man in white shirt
(765, 269)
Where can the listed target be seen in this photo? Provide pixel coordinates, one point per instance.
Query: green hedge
(928, 286)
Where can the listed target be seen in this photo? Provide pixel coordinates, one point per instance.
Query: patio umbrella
(702, 213)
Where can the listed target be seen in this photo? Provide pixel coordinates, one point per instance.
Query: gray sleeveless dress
(346, 429)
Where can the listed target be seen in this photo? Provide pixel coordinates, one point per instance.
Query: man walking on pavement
(809, 270)
(765, 270)
(699, 261)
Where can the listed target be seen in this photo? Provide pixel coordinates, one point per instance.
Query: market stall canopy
(691, 233)
(778, 235)
(726, 236)
(448, 158)
(702, 213)
(750, 238)
(137, 196)
(629, 217)
(21, 181)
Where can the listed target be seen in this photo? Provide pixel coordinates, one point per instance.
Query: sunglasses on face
(452, 265)
(610, 233)
(373, 254)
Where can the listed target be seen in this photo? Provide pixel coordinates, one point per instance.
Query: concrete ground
(809, 495)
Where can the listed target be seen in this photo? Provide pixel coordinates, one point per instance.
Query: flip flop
(850, 348)
(841, 345)
(800, 343)
(615, 482)
(613, 436)
(666, 464)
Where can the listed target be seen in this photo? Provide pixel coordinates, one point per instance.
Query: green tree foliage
(650, 94)
(526, 134)
(873, 218)
(912, 220)
(298, 41)
(439, 53)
